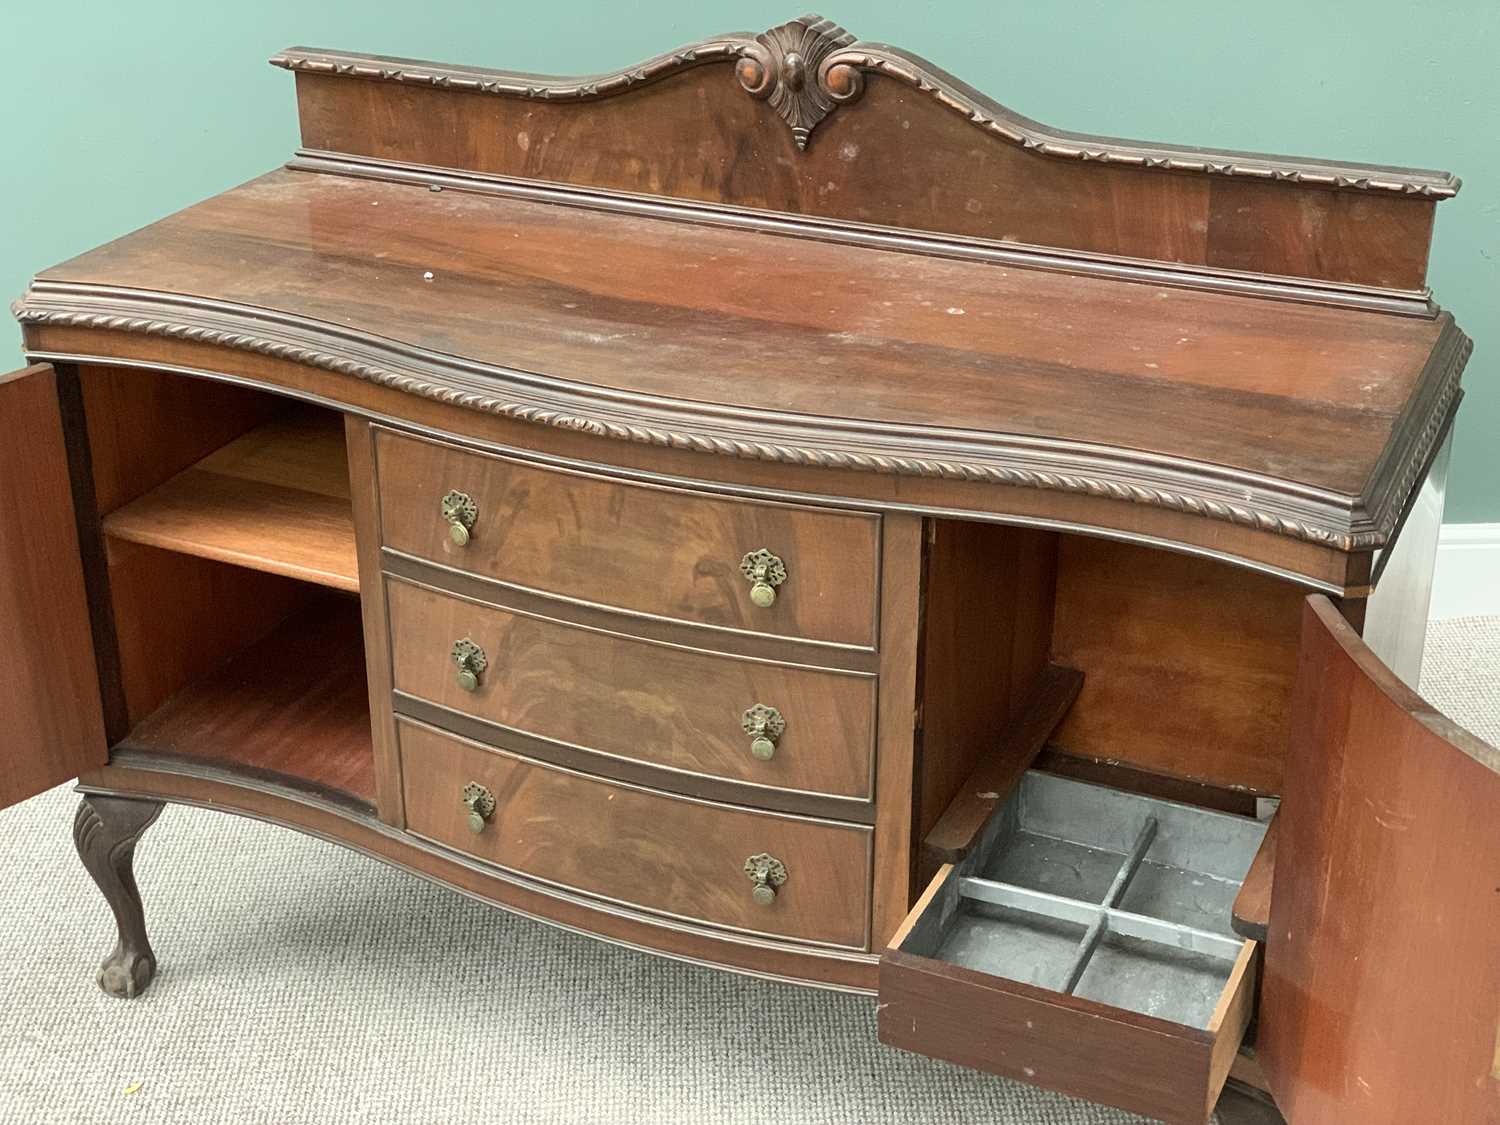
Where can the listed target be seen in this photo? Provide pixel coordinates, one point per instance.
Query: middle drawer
(696, 712)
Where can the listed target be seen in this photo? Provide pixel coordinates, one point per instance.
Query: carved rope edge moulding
(807, 67)
(1451, 358)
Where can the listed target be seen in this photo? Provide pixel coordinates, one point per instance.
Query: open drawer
(1084, 944)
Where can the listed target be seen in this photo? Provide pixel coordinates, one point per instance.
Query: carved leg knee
(105, 832)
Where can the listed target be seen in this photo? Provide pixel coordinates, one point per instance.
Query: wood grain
(1381, 981)
(179, 616)
(626, 698)
(1252, 906)
(1089, 1050)
(1230, 1020)
(986, 633)
(1259, 226)
(145, 427)
(650, 550)
(276, 499)
(359, 441)
(896, 734)
(1013, 748)
(92, 552)
(1321, 563)
(292, 706)
(750, 321)
(894, 157)
(302, 448)
(49, 684)
(663, 853)
(1188, 663)
(202, 785)
(778, 649)
(1162, 786)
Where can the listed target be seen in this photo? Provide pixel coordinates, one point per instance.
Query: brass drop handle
(471, 663)
(481, 805)
(765, 572)
(767, 873)
(460, 511)
(764, 725)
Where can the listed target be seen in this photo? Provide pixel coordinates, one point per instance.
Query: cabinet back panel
(1188, 663)
(145, 427)
(179, 617)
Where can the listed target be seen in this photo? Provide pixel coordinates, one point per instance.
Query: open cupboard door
(1381, 999)
(51, 719)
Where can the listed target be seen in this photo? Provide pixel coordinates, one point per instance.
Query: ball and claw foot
(126, 973)
(105, 831)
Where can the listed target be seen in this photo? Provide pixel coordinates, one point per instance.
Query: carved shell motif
(784, 66)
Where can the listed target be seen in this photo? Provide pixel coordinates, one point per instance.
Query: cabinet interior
(229, 549)
(1188, 664)
(1097, 719)
(228, 538)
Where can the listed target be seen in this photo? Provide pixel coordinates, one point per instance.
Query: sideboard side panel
(1395, 625)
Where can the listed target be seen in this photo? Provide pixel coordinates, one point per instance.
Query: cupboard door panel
(1382, 977)
(51, 719)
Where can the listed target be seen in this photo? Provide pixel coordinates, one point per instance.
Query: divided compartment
(1085, 945)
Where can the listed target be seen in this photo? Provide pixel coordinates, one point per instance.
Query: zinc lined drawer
(653, 550)
(1085, 945)
(689, 710)
(808, 880)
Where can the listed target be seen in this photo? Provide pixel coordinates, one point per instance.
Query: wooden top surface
(760, 343)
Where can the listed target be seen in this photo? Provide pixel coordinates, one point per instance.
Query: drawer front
(658, 551)
(1151, 1067)
(640, 700)
(668, 854)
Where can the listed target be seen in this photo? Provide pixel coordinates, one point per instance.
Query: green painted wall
(118, 114)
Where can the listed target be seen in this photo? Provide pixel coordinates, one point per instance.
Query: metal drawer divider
(1105, 916)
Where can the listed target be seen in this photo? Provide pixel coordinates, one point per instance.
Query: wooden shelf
(276, 499)
(292, 708)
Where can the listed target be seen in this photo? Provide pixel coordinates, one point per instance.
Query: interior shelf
(275, 499)
(292, 707)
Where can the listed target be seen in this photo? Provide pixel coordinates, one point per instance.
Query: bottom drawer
(1084, 945)
(674, 855)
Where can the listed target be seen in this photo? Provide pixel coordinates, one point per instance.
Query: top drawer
(654, 550)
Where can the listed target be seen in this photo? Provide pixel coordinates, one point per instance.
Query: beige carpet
(303, 984)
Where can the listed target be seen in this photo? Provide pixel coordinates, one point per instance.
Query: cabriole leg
(105, 831)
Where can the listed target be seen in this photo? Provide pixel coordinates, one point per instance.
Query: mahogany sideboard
(776, 507)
